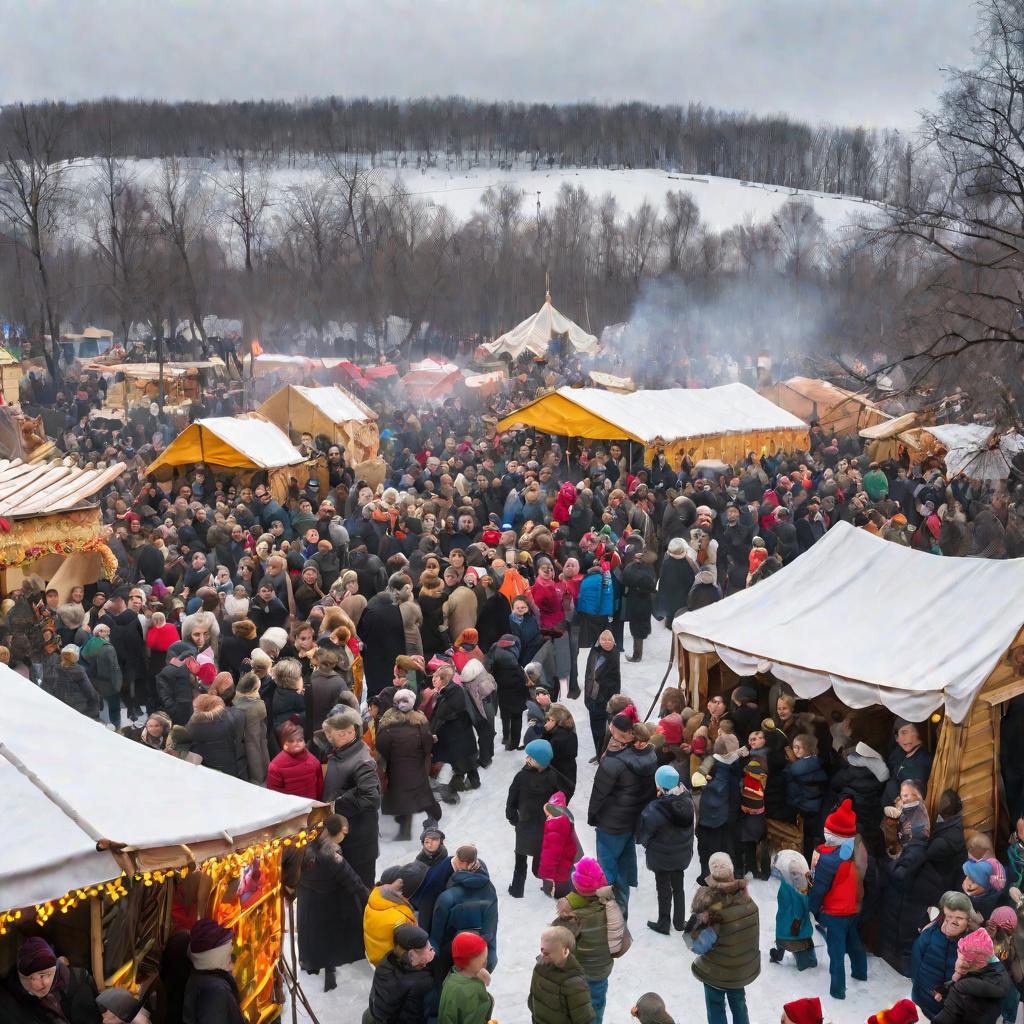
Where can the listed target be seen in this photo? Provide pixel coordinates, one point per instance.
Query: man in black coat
(383, 634)
(218, 735)
(743, 712)
(211, 995)
(121, 614)
(453, 730)
(402, 984)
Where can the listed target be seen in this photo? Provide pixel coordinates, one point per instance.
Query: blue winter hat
(979, 872)
(540, 751)
(666, 777)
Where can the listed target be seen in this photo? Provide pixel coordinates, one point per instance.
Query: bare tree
(34, 198)
(679, 227)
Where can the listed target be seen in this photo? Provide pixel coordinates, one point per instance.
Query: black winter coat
(211, 997)
(510, 678)
(943, 861)
(904, 903)
(70, 684)
(351, 783)
(323, 691)
(529, 792)
(453, 728)
(234, 651)
(492, 621)
(77, 999)
(666, 831)
(601, 684)
(976, 998)
(861, 786)
(287, 704)
(564, 746)
(639, 583)
(126, 636)
(404, 741)
(432, 633)
(175, 687)
(331, 898)
(674, 585)
(398, 992)
(219, 738)
(383, 632)
(623, 787)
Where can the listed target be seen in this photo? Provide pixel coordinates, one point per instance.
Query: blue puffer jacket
(720, 798)
(597, 595)
(792, 906)
(931, 966)
(806, 783)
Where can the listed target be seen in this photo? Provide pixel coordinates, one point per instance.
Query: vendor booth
(49, 529)
(431, 380)
(139, 383)
(332, 412)
(837, 410)
(107, 872)
(853, 622)
(536, 333)
(247, 446)
(714, 423)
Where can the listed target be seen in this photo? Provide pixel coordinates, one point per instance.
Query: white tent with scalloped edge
(535, 333)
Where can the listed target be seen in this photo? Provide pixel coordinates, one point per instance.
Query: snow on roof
(535, 333)
(242, 441)
(336, 403)
(857, 613)
(43, 488)
(55, 813)
(670, 414)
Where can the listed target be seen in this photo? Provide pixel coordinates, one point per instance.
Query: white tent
(535, 333)
(857, 614)
(246, 442)
(70, 783)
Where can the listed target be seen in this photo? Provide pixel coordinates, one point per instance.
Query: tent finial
(547, 285)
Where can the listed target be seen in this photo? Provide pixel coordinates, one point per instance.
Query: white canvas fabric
(534, 334)
(67, 781)
(859, 615)
(259, 441)
(336, 404)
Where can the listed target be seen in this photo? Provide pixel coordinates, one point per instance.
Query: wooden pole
(96, 941)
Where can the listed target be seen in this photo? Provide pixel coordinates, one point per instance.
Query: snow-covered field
(654, 963)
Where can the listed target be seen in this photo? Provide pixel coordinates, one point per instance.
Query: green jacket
(464, 1000)
(559, 995)
(876, 483)
(588, 922)
(734, 961)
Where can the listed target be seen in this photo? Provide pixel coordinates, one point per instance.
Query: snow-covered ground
(655, 962)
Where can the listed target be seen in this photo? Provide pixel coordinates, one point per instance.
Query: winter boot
(449, 794)
(638, 651)
(330, 979)
(660, 926)
(775, 955)
(474, 779)
(404, 828)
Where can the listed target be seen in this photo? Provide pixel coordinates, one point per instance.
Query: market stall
(431, 380)
(536, 333)
(332, 412)
(884, 599)
(837, 410)
(139, 383)
(108, 878)
(713, 423)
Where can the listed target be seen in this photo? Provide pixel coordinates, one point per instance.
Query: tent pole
(96, 942)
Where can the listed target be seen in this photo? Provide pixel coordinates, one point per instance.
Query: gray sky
(866, 61)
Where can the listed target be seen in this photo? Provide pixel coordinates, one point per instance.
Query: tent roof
(534, 334)
(55, 812)
(961, 435)
(857, 613)
(824, 392)
(43, 488)
(334, 403)
(649, 416)
(890, 428)
(234, 441)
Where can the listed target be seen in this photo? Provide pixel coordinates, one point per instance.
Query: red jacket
(558, 849)
(297, 776)
(160, 638)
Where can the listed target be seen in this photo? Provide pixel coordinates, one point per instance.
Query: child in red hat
(802, 1011)
(464, 995)
(837, 891)
(903, 1012)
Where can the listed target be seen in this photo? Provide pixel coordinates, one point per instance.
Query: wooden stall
(836, 409)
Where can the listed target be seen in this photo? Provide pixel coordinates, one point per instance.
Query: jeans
(617, 856)
(714, 1001)
(842, 939)
(598, 997)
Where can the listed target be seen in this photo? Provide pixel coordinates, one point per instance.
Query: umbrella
(988, 459)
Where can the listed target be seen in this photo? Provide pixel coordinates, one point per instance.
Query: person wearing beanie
(593, 914)
(978, 887)
(802, 1011)
(837, 892)
(176, 682)
(211, 992)
(666, 832)
(623, 787)
(464, 995)
(404, 741)
(502, 662)
(468, 902)
(403, 984)
(560, 847)
(531, 788)
(42, 988)
(440, 868)
(331, 899)
(650, 1009)
(295, 770)
(65, 679)
(902, 1012)
(719, 810)
(725, 940)
(933, 958)
(979, 986)
(1001, 926)
(386, 909)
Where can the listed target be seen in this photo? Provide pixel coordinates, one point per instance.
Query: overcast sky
(866, 61)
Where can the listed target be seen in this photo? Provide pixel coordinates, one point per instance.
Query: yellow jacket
(384, 912)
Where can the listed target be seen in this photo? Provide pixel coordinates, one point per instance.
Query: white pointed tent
(72, 819)
(535, 333)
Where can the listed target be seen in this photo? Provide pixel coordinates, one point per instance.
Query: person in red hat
(903, 1012)
(802, 1011)
(836, 895)
(464, 995)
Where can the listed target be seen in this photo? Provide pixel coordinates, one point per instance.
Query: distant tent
(837, 410)
(431, 379)
(535, 334)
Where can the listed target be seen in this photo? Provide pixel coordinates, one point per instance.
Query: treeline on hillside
(461, 133)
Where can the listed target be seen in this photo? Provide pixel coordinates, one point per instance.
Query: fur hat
(792, 868)
(472, 670)
(587, 876)
(351, 718)
(842, 822)
(804, 1011)
(275, 635)
(677, 547)
(404, 700)
(720, 867)
(903, 1012)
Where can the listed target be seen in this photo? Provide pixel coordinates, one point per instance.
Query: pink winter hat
(1004, 917)
(976, 947)
(587, 877)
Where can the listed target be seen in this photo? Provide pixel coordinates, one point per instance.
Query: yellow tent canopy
(233, 442)
(332, 411)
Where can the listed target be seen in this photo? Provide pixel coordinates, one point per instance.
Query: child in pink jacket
(560, 849)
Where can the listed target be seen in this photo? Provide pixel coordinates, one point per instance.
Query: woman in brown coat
(404, 742)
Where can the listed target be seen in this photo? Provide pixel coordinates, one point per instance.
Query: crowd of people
(378, 647)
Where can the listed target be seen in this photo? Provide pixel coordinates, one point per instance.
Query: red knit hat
(465, 946)
(842, 821)
(804, 1011)
(903, 1012)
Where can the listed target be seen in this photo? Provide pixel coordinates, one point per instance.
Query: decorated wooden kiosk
(107, 863)
(331, 411)
(866, 626)
(48, 527)
(836, 409)
(705, 423)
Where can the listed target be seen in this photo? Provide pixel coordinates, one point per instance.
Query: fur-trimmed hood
(707, 896)
(395, 717)
(209, 716)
